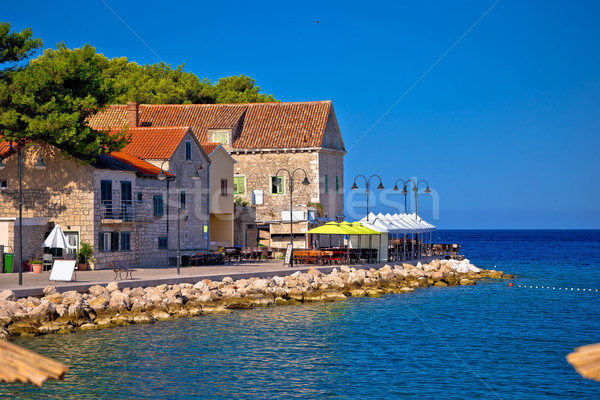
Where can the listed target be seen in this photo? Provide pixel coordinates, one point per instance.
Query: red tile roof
(156, 143)
(209, 147)
(257, 125)
(144, 167)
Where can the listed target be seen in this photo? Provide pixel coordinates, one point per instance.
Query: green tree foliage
(52, 98)
(161, 84)
(15, 47)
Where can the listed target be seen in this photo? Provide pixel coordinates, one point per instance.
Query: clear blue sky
(505, 128)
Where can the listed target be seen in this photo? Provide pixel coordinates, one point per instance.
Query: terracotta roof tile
(156, 143)
(257, 125)
(209, 147)
(144, 167)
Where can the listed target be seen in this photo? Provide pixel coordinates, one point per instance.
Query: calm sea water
(487, 341)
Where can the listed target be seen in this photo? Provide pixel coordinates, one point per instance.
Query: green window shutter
(238, 185)
(276, 184)
(114, 241)
(337, 184)
(158, 205)
(125, 241)
(101, 241)
(182, 200)
(326, 185)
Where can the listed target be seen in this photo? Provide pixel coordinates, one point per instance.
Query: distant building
(262, 138)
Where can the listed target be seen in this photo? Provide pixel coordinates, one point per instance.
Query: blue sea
(487, 341)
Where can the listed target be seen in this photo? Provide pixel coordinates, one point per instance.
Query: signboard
(62, 270)
(288, 256)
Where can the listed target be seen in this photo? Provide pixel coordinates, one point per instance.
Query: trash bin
(8, 262)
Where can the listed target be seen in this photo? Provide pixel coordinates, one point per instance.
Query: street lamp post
(416, 190)
(162, 176)
(38, 165)
(305, 182)
(404, 192)
(367, 188)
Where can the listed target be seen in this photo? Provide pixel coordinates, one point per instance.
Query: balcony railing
(126, 210)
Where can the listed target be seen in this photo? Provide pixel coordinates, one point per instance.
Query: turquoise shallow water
(483, 341)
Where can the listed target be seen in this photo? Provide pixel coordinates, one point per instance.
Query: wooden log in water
(21, 365)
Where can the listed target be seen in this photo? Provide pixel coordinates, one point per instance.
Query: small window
(162, 243)
(182, 200)
(223, 187)
(2, 185)
(239, 185)
(104, 241)
(326, 184)
(188, 150)
(125, 241)
(257, 197)
(140, 197)
(114, 241)
(221, 137)
(276, 184)
(337, 184)
(158, 205)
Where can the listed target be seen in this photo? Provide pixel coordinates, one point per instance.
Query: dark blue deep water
(487, 341)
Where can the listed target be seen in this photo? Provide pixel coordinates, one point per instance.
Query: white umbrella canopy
(56, 239)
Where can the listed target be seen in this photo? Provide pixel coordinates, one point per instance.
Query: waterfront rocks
(105, 307)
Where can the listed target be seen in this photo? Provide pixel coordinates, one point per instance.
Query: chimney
(133, 114)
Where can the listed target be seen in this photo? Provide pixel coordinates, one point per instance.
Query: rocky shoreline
(104, 307)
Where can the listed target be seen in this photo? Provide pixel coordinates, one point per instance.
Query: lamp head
(40, 164)
(415, 189)
(395, 188)
(404, 190)
(196, 176)
(380, 187)
(354, 187)
(305, 181)
(161, 175)
(427, 190)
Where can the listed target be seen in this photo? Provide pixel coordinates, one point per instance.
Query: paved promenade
(33, 284)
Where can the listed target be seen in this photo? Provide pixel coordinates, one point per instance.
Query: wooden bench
(119, 267)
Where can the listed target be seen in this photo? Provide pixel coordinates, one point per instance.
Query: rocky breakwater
(104, 307)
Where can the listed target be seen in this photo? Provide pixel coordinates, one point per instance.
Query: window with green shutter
(276, 184)
(114, 241)
(326, 184)
(182, 200)
(337, 184)
(239, 185)
(125, 241)
(158, 205)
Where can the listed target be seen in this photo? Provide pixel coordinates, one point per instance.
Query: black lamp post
(416, 190)
(305, 182)
(404, 191)
(38, 165)
(367, 188)
(162, 176)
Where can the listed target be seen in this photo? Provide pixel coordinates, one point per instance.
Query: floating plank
(21, 365)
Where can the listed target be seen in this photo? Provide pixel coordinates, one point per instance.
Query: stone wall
(259, 167)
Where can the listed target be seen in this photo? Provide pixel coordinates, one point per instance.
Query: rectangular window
(162, 243)
(326, 184)
(106, 198)
(276, 184)
(223, 187)
(257, 197)
(221, 137)
(140, 197)
(125, 241)
(182, 199)
(3, 184)
(188, 150)
(158, 205)
(337, 184)
(104, 241)
(239, 185)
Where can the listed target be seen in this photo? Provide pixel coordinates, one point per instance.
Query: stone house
(263, 138)
(221, 195)
(116, 203)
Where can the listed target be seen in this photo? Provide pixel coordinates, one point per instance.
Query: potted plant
(36, 265)
(84, 256)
